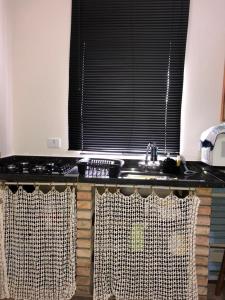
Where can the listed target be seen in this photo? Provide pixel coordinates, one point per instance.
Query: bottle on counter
(178, 160)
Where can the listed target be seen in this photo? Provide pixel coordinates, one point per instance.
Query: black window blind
(126, 74)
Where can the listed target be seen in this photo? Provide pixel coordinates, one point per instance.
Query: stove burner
(11, 167)
(50, 164)
(23, 167)
(36, 165)
(51, 168)
(38, 169)
(24, 163)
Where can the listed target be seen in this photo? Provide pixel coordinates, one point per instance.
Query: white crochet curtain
(4, 292)
(145, 247)
(40, 243)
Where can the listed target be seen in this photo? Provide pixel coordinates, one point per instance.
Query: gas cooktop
(36, 165)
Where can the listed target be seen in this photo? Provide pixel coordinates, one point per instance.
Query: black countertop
(206, 176)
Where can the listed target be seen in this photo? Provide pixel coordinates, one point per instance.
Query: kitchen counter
(202, 181)
(205, 176)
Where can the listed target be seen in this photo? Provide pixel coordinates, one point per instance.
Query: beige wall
(40, 60)
(41, 31)
(203, 75)
(5, 81)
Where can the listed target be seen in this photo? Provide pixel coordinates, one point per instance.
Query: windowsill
(88, 154)
(112, 155)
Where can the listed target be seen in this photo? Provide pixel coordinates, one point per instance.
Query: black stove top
(36, 165)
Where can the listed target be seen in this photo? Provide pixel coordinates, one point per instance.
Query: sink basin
(157, 175)
(134, 173)
(153, 166)
(146, 176)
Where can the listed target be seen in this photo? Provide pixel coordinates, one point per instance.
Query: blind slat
(126, 74)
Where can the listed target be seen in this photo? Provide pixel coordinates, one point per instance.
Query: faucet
(153, 163)
(147, 153)
(153, 148)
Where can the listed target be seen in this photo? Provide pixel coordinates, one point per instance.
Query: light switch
(222, 149)
(54, 142)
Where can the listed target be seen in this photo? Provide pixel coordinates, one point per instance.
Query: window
(126, 74)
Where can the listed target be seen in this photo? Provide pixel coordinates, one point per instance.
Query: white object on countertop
(215, 156)
(213, 145)
(212, 133)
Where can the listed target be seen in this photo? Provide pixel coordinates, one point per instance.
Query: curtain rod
(102, 185)
(40, 183)
(145, 186)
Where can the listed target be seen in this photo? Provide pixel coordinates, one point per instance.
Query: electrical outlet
(54, 142)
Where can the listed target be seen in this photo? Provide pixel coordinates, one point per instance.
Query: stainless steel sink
(134, 173)
(151, 177)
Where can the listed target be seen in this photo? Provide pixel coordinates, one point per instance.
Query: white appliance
(213, 146)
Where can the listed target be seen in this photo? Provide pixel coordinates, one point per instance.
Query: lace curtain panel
(40, 243)
(4, 292)
(145, 247)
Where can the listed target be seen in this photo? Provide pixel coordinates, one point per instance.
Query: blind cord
(167, 98)
(82, 94)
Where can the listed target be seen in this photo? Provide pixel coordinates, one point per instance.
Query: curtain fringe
(135, 186)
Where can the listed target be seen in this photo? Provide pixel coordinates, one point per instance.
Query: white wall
(5, 81)
(41, 32)
(203, 77)
(40, 60)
